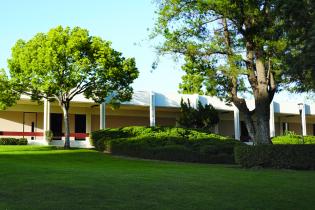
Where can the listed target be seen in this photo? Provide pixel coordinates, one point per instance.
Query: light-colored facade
(30, 120)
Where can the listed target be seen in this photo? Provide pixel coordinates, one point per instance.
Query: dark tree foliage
(236, 47)
(300, 27)
(201, 117)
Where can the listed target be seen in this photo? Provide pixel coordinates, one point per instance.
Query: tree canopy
(66, 62)
(229, 48)
(300, 26)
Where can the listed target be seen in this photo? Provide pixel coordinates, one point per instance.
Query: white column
(46, 122)
(272, 120)
(196, 101)
(216, 128)
(45, 119)
(102, 115)
(304, 133)
(237, 129)
(286, 127)
(152, 109)
(88, 126)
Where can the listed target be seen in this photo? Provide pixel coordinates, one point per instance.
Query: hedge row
(13, 141)
(293, 139)
(165, 143)
(173, 149)
(288, 156)
(99, 138)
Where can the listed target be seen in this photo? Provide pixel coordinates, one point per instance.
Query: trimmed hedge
(13, 141)
(99, 138)
(165, 143)
(174, 149)
(287, 156)
(293, 139)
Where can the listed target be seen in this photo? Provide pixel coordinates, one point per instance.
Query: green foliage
(234, 49)
(7, 97)
(293, 139)
(49, 135)
(276, 156)
(213, 54)
(174, 149)
(99, 137)
(13, 141)
(66, 62)
(165, 143)
(301, 31)
(203, 117)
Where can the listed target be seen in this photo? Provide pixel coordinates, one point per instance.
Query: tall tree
(300, 27)
(236, 46)
(8, 96)
(66, 62)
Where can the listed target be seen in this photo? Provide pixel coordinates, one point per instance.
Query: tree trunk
(262, 123)
(250, 125)
(65, 109)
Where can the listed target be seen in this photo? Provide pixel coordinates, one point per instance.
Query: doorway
(56, 125)
(80, 125)
(29, 124)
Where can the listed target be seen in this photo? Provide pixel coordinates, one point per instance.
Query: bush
(292, 138)
(276, 156)
(13, 141)
(166, 143)
(22, 141)
(174, 149)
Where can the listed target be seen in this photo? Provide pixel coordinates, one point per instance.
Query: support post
(102, 115)
(272, 120)
(237, 130)
(46, 122)
(303, 118)
(216, 128)
(152, 109)
(88, 126)
(286, 125)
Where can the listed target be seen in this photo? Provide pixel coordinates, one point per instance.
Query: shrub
(13, 141)
(276, 156)
(166, 143)
(293, 139)
(22, 141)
(175, 149)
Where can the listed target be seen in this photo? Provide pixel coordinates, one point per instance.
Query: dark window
(56, 125)
(80, 125)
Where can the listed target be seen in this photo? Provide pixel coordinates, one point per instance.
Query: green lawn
(45, 178)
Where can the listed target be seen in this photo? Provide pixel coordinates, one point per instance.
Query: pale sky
(124, 23)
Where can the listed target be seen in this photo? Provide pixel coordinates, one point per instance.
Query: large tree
(300, 27)
(66, 62)
(230, 48)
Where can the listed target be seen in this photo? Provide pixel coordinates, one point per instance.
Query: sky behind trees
(124, 23)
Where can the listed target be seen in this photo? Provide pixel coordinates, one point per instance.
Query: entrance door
(80, 125)
(56, 125)
(29, 124)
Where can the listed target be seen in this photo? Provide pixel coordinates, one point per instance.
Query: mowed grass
(48, 178)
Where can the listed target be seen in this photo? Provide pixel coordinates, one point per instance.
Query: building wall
(166, 121)
(226, 128)
(11, 121)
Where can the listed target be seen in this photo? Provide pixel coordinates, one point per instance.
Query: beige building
(30, 120)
